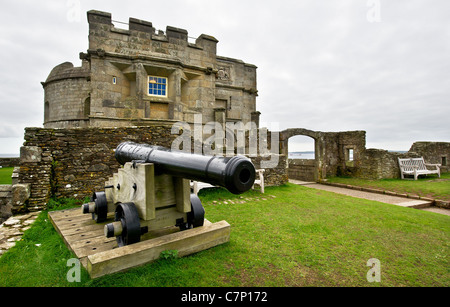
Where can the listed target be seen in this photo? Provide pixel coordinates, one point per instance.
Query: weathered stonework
(9, 162)
(434, 153)
(333, 156)
(76, 162)
(111, 88)
(332, 153)
(5, 201)
(379, 164)
(302, 169)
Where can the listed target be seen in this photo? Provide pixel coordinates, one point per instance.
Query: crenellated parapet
(141, 75)
(142, 40)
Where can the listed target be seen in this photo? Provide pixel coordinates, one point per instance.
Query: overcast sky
(380, 66)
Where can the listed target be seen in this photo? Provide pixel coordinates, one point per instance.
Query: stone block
(30, 154)
(20, 195)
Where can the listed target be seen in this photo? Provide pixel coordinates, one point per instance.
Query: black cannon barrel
(237, 173)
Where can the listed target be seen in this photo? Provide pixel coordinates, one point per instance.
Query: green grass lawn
(5, 175)
(431, 186)
(289, 236)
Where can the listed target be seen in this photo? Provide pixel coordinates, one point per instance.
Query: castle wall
(66, 96)
(76, 162)
(115, 77)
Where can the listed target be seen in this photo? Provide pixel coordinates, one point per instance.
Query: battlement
(100, 23)
(138, 75)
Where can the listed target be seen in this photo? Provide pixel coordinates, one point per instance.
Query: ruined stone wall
(433, 153)
(378, 163)
(76, 162)
(273, 176)
(381, 164)
(332, 152)
(345, 154)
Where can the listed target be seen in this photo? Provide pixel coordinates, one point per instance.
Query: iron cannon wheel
(196, 217)
(101, 207)
(128, 215)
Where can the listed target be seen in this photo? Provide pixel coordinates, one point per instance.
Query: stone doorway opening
(302, 158)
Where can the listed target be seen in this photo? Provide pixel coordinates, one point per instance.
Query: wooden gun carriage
(152, 190)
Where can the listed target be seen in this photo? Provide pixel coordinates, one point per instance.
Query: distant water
(9, 156)
(302, 155)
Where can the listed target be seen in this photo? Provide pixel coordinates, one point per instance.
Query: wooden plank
(101, 255)
(185, 242)
(182, 194)
(75, 228)
(65, 213)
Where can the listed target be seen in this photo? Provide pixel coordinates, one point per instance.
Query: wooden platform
(102, 256)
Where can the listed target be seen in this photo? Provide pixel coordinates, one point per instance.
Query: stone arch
(307, 170)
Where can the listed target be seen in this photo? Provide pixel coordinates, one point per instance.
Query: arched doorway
(300, 145)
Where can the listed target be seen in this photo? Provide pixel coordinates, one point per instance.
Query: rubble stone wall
(75, 162)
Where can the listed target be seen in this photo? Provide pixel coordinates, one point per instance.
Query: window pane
(157, 86)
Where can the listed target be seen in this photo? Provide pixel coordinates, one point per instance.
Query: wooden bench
(416, 167)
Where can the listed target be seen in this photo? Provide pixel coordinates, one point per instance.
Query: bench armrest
(435, 165)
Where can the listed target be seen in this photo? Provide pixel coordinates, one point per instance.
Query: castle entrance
(300, 145)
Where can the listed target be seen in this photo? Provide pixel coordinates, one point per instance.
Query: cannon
(237, 173)
(152, 190)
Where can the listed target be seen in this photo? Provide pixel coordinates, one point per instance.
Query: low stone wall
(76, 162)
(434, 153)
(13, 199)
(378, 164)
(9, 162)
(5, 202)
(273, 176)
(302, 169)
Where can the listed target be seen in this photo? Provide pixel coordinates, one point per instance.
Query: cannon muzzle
(237, 173)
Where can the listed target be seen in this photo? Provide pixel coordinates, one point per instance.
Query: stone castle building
(140, 77)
